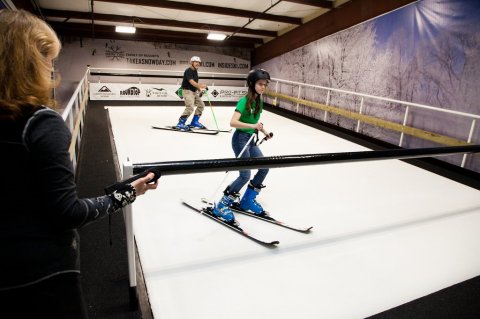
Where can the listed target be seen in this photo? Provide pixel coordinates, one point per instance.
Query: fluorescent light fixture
(216, 36)
(123, 29)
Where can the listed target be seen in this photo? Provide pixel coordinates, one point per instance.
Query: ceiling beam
(185, 6)
(24, 5)
(149, 21)
(315, 3)
(149, 35)
(348, 15)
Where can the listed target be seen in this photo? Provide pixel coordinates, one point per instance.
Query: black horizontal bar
(235, 164)
(165, 76)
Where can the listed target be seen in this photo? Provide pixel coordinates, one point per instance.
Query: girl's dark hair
(252, 97)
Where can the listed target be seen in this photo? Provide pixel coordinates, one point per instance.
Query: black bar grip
(155, 170)
(265, 138)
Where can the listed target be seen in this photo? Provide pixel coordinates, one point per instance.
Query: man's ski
(235, 226)
(266, 218)
(221, 131)
(173, 128)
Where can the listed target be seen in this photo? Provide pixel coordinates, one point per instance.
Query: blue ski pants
(239, 140)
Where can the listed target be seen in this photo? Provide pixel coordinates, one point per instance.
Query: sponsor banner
(159, 92)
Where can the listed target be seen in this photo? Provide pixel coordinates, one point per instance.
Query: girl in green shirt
(246, 121)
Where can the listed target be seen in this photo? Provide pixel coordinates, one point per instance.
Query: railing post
(276, 91)
(469, 140)
(359, 112)
(71, 116)
(298, 96)
(127, 214)
(404, 124)
(326, 103)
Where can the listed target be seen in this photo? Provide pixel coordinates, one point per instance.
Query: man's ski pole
(211, 108)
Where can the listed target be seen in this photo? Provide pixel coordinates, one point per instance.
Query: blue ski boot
(195, 124)
(248, 202)
(181, 124)
(222, 209)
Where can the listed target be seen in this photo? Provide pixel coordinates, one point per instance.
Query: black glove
(201, 92)
(123, 196)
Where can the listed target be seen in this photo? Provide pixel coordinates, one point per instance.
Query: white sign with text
(160, 92)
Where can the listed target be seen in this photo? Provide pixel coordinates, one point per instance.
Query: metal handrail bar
(469, 115)
(92, 69)
(71, 102)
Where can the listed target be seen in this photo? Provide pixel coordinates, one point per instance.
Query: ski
(173, 128)
(207, 211)
(221, 131)
(197, 131)
(266, 218)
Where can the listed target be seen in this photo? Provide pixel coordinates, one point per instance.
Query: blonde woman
(39, 244)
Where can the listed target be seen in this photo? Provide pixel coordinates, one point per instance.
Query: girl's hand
(258, 126)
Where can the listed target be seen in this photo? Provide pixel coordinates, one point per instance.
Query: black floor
(104, 267)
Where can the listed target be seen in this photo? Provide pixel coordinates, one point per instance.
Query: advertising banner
(160, 92)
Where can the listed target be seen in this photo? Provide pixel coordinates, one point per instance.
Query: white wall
(100, 53)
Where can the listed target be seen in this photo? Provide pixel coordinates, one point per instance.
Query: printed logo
(114, 52)
(131, 91)
(103, 93)
(229, 93)
(104, 89)
(156, 92)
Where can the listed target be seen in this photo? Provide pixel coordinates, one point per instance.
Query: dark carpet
(104, 267)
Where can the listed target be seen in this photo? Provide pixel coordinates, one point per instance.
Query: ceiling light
(216, 36)
(124, 29)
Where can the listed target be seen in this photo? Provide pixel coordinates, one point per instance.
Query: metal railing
(75, 109)
(74, 114)
(146, 73)
(363, 97)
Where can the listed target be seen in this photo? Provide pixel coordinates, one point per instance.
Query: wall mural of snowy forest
(427, 52)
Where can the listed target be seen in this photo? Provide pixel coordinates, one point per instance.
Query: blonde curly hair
(28, 47)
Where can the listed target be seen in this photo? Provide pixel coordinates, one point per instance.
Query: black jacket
(40, 209)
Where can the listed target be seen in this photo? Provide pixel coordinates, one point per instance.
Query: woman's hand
(142, 184)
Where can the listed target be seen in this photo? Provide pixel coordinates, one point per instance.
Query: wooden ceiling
(247, 23)
(267, 27)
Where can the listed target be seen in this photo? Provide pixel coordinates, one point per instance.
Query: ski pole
(239, 155)
(211, 108)
(228, 172)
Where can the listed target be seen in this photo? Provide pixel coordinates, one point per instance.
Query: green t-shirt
(248, 117)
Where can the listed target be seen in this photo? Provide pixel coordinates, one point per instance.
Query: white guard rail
(407, 105)
(74, 114)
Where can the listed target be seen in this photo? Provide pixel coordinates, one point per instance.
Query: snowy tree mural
(426, 53)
